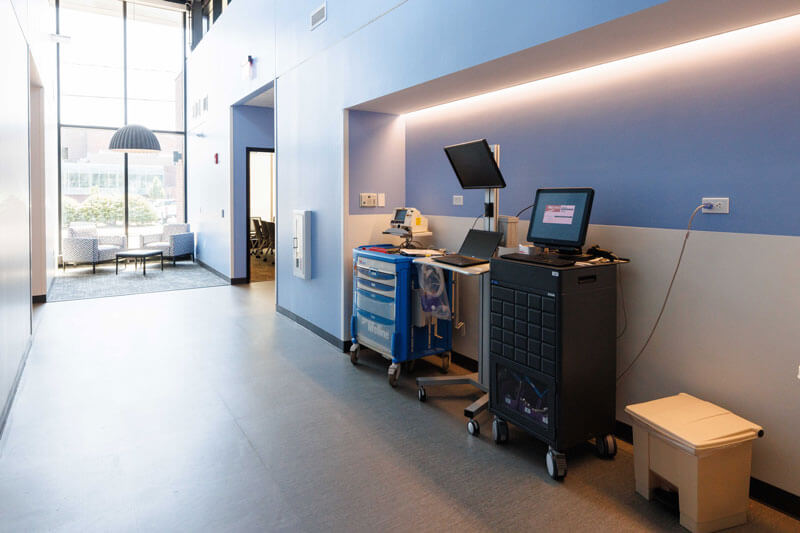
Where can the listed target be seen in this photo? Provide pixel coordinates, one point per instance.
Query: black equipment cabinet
(553, 355)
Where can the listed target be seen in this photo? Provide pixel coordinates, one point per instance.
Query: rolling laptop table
(479, 379)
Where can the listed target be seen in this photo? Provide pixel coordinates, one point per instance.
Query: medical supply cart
(552, 357)
(388, 314)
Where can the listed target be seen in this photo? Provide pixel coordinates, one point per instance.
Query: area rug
(79, 283)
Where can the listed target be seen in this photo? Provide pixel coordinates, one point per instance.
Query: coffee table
(136, 255)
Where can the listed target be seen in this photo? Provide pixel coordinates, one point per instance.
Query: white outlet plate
(721, 206)
(368, 199)
(458, 199)
(381, 199)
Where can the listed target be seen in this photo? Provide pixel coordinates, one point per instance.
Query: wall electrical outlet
(458, 199)
(368, 199)
(720, 206)
(381, 199)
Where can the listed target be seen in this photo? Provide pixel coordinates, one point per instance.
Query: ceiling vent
(319, 15)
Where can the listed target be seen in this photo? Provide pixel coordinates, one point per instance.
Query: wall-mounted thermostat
(301, 243)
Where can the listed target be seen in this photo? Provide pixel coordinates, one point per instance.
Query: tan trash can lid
(692, 423)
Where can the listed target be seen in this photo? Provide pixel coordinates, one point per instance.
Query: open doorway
(254, 192)
(261, 214)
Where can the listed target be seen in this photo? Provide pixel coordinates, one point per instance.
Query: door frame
(248, 150)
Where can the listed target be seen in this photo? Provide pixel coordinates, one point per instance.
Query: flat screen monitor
(399, 216)
(480, 244)
(474, 165)
(560, 218)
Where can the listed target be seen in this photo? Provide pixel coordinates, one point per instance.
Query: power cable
(669, 291)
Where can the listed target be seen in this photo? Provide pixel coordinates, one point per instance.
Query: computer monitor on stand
(560, 218)
(476, 167)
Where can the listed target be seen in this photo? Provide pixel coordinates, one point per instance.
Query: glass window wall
(122, 64)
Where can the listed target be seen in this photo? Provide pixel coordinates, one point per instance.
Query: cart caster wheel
(410, 366)
(556, 464)
(355, 351)
(445, 362)
(499, 431)
(473, 428)
(421, 394)
(606, 446)
(394, 374)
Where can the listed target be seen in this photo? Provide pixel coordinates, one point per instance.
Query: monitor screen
(560, 217)
(399, 216)
(474, 165)
(480, 244)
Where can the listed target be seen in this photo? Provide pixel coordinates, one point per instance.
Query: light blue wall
(253, 127)
(377, 156)
(364, 50)
(214, 70)
(651, 142)
(15, 280)
(415, 42)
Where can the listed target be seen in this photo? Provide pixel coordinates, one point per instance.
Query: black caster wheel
(606, 446)
(355, 351)
(445, 362)
(410, 366)
(556, 464)
(499, 431)
(394, 374)
(473, 428)
(421, 394)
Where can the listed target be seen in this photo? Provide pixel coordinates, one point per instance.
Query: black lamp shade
(134, 138)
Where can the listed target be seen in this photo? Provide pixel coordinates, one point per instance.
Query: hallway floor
(204, 410)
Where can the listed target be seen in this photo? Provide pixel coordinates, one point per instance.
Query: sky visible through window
(92, 65)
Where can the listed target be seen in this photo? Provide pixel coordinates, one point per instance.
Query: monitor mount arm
(491, 205)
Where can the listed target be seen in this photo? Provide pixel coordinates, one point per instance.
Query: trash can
(699, 449)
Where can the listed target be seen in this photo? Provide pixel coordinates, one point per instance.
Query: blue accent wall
(377, 156)
(652, 137)
(252, 127)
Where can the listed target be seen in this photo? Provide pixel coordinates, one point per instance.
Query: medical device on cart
(408, 223)
(400, 310)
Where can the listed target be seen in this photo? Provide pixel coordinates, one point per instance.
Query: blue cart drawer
(376, 304)
(374, 286)
(376, 331)
(376, 275)
(387, 267)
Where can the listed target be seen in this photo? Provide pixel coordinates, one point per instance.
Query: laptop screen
(480, 244)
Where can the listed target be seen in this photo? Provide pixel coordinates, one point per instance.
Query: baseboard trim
(464, 362)
(338, 343)
(761, 491)
(12, 394)
(239, 281)
(775, 497)
(39, 298)
(213, 270)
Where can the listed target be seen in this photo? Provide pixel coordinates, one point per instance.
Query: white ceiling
(265, 99)
(668, 24)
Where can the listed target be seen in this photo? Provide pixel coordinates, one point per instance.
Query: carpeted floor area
(79, 283)
(261, 270)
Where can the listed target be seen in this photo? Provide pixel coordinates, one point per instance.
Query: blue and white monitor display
(560, 217)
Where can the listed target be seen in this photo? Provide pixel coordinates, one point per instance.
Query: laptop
(478, 247)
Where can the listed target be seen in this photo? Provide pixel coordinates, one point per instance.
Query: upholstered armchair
(83, 245)
(175, 240)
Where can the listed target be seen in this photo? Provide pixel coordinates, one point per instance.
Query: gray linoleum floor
(205, 411)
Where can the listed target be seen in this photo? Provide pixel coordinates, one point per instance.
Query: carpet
(79, 283)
